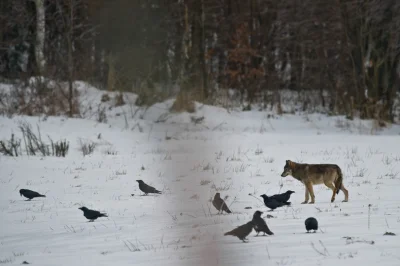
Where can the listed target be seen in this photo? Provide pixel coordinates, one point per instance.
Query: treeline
(344, 52)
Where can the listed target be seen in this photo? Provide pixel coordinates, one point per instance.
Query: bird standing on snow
(92, 214)
(220, 204)
(260, 225)
(242, 231)
(284, 197)
(146, 188)
(30, 194)
(311, 224)
(273, 203)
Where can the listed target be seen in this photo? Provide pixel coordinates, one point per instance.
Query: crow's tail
(103, 215)
(43, 196)
(268, 232)
(228, 234)
(225, 208)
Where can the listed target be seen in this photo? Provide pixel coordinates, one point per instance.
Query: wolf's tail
(339, 180)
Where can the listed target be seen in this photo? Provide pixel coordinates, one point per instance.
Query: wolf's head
(288, 168)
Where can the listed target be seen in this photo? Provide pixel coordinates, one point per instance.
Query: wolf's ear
(287, 161)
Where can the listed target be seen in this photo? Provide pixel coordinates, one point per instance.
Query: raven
(311, 224)
(30, 194)
(146, 188)
(92, 215)
(284, 197)
(220, 204)
(273, 203)
(260, 225)
(241, 231)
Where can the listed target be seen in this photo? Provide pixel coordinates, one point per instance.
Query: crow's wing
(262, 226)
(280, 197)
(225, 207)
(151, 189)
(216, 203)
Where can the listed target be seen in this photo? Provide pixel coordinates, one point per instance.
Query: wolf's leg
(311, 191)
(331, 186)
(306, 196)
(346, 193)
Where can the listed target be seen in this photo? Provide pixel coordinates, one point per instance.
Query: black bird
(146, 188)
(241, 231)
(30, 194)
(92, 214)
(273, 203)
(311, 224)
(260, 225)
(220, 204)
(284, 197)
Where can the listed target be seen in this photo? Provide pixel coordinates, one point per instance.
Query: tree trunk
(202, 44)
(40, 35)
(71, 59)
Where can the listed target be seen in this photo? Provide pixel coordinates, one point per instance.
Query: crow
(273, 203)
(260, 225)
(241, 231)
(146, 188)
(284, 197)
(220, 204)
(92, 214)
(311, 224)
(30, 194)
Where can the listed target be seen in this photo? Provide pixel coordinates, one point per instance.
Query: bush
(87, 147)
(60, 148)
(38, 96)
(33, 143)
(10, 147)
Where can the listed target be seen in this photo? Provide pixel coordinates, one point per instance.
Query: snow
(239, 153)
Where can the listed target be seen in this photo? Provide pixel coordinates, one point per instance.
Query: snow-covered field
(239, 154)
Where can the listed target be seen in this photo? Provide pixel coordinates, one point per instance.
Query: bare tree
(40, 35)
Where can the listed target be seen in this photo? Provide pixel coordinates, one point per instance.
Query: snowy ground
(235, 153)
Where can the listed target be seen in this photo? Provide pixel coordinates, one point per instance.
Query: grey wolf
(315, 174)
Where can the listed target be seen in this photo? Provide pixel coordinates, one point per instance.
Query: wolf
(315, 174)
